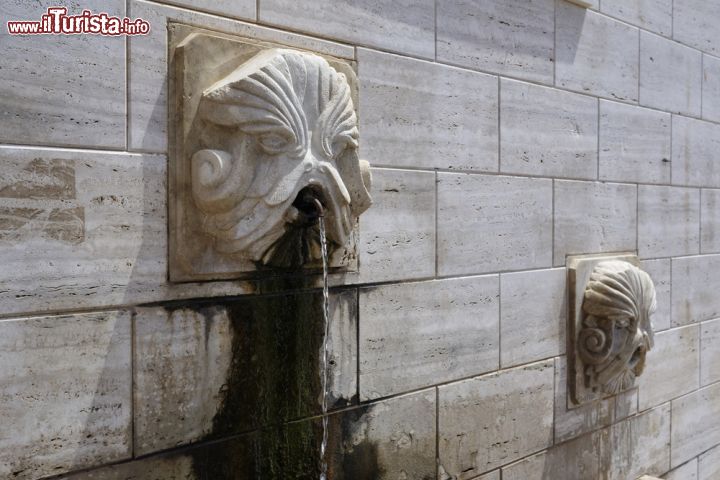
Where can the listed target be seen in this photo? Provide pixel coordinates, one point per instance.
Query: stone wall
(504, 135)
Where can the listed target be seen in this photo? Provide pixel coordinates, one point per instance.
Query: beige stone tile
(80, 229)
(659, 271)
(709, 221)
(672, 367)
(711, 88)
(147, 89)
(573, 460)
(397, 234)
(668, 221)
(634, 144)
(404, 26)
(593, 54)
(473, 440)
(695, 23)
(62, 89)
(692, 433)
(493, 223)
(433, 332)
(547, 132)
(419, 114)
(709, 464)
(710, 352)
(245, 9)
(694, 289)
(65, 394)
(695, 145)
(637, 446)
(509, 38)
(670, 75)
(594, 218)
(389, 440)
(688, 471)
(533, 316)
(653, 15)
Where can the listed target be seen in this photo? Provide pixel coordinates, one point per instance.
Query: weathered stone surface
(672, 367)
(533, 310)
(574, 460)
(393, 439)
(659, 271)
(450, 114)
(689, 471)
(593, 54)
(65, 394)
(385, 441)
(710, 352)
(147, 89)
(397, 235)
(711, 88)
(405, 27)
(167, 467)
(692, 432)
(433, 332)
(634, 144)
(694, 148)
(709, 464)
(639, 445)
(594, 218)
(547, 132)
(473, 440)
(668, 221)
(670, 75)
(709, 221)
(654, 15)
(80, 229)
(246, 201)
(62, 89)
(695, 23)
(207, 371)
(509, 38)
(694, 289)
(491, 223)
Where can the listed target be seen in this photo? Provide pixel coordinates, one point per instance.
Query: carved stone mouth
(310, 204)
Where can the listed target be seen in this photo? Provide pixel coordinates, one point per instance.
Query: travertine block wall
(504, 135)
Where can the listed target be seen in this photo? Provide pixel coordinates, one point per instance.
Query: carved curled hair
(619, 291)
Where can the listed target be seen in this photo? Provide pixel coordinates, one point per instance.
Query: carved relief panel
(611, 304)
(260, 136)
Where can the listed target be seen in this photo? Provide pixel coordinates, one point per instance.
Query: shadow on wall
(574, 21)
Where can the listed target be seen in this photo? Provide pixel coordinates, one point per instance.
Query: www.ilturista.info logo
(57, 22)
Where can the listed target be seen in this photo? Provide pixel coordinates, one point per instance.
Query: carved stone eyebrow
(289, 94)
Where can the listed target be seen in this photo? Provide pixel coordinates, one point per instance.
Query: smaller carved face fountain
(617, 331)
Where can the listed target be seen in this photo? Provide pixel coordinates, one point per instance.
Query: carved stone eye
(273, 143)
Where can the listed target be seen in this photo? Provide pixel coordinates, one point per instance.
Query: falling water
(324, 369)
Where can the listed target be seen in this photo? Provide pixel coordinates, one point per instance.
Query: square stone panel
(256, 130)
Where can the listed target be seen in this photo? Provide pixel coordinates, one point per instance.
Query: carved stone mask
(278, 130)
(616, 331)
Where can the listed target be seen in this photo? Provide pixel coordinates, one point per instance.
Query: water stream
(324, 366)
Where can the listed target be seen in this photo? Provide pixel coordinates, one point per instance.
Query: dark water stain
(350, 456)
(274, 377)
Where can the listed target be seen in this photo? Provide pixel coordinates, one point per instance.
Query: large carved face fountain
(613, 331)
(271, 142)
